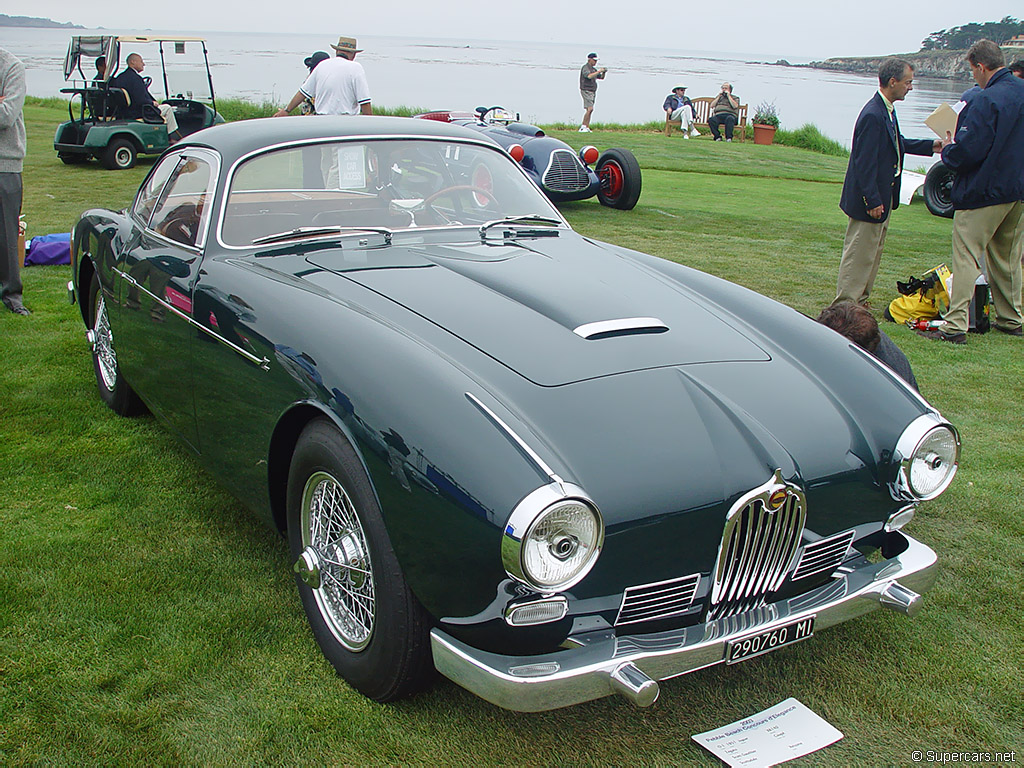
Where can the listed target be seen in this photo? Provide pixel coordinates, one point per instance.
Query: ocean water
(538, 80)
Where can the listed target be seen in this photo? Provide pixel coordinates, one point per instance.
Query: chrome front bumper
(607, 663)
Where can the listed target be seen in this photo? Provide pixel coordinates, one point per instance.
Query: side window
(182, 211)
(150, 192)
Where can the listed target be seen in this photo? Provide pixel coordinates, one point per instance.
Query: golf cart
(99, 126)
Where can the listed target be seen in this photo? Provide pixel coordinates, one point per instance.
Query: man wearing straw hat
(337, 86)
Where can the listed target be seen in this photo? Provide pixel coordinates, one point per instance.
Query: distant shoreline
(38, 23)
(948, 65)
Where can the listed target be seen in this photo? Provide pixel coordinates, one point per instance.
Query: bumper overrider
(606, 663)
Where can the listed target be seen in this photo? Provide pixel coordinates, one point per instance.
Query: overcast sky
(799, 28)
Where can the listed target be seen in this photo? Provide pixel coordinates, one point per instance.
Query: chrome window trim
(526, 514)
(478, 142)
(621, 325)
(908, 443)
(132, 213)
(262, 362)
(210, 156)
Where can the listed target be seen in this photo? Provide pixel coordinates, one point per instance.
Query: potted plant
(766, 122)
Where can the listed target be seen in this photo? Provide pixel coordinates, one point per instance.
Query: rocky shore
(946, 64)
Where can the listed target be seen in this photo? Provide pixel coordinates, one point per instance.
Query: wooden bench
(701, 113)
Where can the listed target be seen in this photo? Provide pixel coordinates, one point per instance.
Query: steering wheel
(459, 188)
(485, 112)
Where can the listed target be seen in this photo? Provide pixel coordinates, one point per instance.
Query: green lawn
(147, 618)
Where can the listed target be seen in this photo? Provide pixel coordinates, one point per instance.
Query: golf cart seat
(107, 104)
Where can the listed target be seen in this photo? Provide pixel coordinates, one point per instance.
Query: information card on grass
(784, 732)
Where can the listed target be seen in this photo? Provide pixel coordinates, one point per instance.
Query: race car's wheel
(113, 389)
(119, 155)
(619, 173)
(363, 615)
(938, 190)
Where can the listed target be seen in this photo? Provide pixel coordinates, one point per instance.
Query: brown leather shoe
(1010, 331)
(952, 338)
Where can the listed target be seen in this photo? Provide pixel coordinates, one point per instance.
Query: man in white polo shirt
(336, 86)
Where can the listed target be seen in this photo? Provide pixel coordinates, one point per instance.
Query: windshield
(397, 184)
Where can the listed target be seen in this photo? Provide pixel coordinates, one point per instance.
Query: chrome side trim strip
(521, 444)
(262, 362)
(622, 325)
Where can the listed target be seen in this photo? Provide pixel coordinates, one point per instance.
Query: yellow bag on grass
(922, 299)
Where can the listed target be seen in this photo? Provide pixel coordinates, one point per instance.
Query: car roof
(237, 139)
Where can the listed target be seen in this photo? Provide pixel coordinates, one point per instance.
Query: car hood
(533, 305)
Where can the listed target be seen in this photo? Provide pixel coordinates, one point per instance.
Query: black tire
(119, 155)
(113, 389)
(381, 648)
(620, 179)
(72, 159)
(938, 190)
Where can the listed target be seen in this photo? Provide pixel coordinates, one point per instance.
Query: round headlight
(561, 544)
(551, 545)
(930, 452)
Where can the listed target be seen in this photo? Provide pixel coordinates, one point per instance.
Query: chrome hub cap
(102, 341)
(336, 558)
(308, 568)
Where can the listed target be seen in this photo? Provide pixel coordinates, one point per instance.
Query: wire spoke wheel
(103, 345)
(331, 528)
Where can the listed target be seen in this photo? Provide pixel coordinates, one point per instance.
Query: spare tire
(938, 190)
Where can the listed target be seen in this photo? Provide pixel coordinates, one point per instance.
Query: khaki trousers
(995, 232)
(862, 253)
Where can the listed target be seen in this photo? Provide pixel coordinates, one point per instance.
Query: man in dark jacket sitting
(139, 96)
(987, 156)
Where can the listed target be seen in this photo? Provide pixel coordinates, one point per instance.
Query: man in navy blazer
(872, 185)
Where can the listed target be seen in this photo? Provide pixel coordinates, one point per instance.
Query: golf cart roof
(109, 46)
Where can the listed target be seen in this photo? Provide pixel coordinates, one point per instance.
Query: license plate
(770, 640)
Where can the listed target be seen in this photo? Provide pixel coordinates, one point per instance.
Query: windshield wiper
(304, 232)
(528, 218)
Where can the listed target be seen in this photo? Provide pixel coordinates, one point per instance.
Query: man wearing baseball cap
(590, 73)
(336, 86)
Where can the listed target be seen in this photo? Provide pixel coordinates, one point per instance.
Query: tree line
(963, 37)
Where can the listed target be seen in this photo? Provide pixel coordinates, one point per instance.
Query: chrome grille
(565, 172)
(762, 532)
(659, 600)
(823, 556)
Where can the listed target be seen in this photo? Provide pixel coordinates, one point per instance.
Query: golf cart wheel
(119, 155)
(619, 173)
(938, 190)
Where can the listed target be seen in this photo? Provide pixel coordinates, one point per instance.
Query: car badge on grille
(777, 499)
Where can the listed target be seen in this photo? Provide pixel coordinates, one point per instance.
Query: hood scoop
(556, 311)
(627, 326)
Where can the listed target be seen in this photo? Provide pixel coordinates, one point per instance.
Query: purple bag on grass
(49, 249)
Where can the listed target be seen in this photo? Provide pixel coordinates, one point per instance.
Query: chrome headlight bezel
(907, 448)
(523, 522)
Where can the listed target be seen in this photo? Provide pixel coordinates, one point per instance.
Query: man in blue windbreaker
(987, 155)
